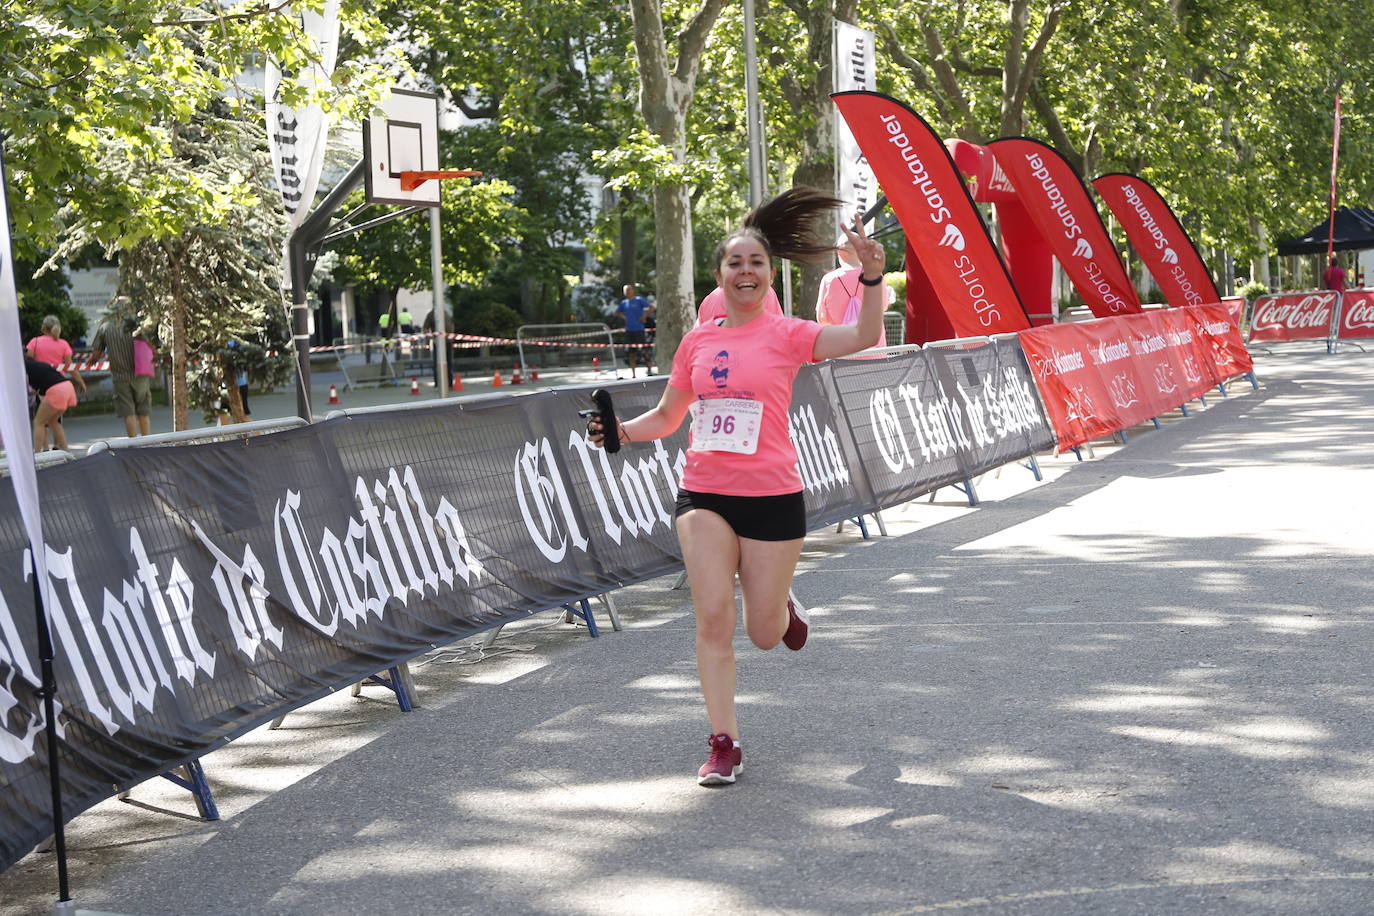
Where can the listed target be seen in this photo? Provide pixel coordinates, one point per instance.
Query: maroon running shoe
(725, 763)
(797, 624)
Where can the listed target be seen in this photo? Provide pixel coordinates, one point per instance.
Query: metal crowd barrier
(597, 328)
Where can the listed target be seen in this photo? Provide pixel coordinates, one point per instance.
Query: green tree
(206, 266)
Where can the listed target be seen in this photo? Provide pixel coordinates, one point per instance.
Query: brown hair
(786, 226)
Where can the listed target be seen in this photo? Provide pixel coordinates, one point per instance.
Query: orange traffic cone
(534, 373)
(516, 378)
(496, 379)
(333, 395)
(414, 384)
(457, 383)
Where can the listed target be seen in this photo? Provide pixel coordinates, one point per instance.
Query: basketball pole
(303, 249)
(436, 263)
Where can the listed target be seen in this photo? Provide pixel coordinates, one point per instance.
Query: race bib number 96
(726, 425)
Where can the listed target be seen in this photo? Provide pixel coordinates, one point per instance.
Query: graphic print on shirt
(720, 372)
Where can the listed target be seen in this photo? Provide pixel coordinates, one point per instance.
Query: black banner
(199, 591)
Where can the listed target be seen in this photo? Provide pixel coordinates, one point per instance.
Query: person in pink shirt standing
(713, 306)
(1334, 276)
(50, 348)
(740, 512)
(840, 299)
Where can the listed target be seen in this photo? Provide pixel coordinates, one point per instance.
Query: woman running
(740, 512)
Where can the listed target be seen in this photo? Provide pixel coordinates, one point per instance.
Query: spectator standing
(133, 393)
(634, 308)
(56, 394)
(406, 321)
(50, 348)
(1333, 277)
(841, 294)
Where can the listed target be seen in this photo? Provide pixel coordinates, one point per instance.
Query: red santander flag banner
(1357, 314)
(1058, 203)
(1158, 237)
(1293, 316)
(942, 225)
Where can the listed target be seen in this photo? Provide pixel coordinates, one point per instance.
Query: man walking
(132, 393)
(634, 308)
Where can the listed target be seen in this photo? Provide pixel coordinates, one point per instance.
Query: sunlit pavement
(1139, 687)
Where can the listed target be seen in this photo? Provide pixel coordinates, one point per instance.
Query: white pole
(436, 261)
(753, 121)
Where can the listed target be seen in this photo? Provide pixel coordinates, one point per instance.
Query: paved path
(1141, 687)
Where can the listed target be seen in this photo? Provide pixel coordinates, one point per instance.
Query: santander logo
(1083, 249)
(1311, 311)
(1168, 257)
(953, 238)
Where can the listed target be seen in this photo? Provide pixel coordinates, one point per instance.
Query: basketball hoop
(410, 180)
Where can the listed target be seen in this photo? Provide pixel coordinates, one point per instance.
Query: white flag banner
(854, 64)
(15, 429)
(296, 136)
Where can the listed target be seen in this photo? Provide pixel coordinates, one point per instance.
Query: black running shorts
(760, 518)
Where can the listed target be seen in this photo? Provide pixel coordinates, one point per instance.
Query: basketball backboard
(404, 138)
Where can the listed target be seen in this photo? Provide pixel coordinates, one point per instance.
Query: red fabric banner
(1159, 239)
(1235, 305)
(1099, 377)
(942, 225)
(1219, 327)
(1357, 314)
(1293, 316)
(1058, 202)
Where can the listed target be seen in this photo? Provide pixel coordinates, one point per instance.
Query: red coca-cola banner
(1302, 315)
(1098, 377)
(1058, 202)
(942, 225)
(1159, 239)
(1357, 314)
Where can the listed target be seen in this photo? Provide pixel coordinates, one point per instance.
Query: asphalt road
(1138, 687)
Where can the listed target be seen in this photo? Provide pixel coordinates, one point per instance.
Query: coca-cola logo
(1359, 313)
(1292, 313)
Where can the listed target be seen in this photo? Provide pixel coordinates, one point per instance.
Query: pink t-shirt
(713, 306)
(754, 362)
(56, 352)
(840, 297)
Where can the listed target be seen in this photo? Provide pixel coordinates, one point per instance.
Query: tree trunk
(677, 312)
(1259, 266)
(665, 94)
(816, 166)
(180, 398)
(231, 379)
(629, 241)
